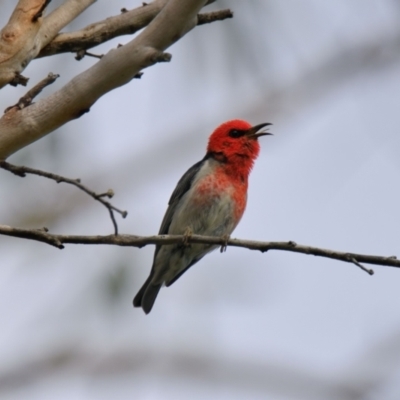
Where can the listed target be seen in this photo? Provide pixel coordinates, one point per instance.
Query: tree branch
(22, 171)
(17, 38)
(27, 32)
(59, 18)
(141, 241)
(127, 23)
(115, 69)
(26, 100)
(220, 15)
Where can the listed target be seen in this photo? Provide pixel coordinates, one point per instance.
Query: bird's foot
(186, 236)
(224, 246)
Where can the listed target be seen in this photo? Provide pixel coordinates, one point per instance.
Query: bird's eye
(235, 133)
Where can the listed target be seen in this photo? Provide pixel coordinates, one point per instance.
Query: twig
(19, 80)
(82, 53)
(141, 241)
(22, 171)
(220, 15)
(368, 271)
(26, 100)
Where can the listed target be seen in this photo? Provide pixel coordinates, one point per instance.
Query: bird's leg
(225, 238)
(186, 236)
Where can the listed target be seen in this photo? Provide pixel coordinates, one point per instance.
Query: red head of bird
(235, 143)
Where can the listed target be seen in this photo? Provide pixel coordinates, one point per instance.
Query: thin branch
(26, 100)
(22, 171)
(141, 241)
(127, 23)
(367, 270)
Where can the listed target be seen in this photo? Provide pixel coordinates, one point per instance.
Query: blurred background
(241, 324)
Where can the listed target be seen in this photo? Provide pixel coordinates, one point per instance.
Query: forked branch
(22, 171)
(171, 20)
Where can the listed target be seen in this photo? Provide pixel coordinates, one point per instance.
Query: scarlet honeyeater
(209, 200)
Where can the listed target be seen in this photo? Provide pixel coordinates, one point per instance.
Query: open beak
(255, 133)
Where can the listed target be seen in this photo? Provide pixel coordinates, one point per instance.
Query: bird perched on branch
(208, 200)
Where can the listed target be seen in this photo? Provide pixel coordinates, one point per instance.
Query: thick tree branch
(141, 241)
(17, 38)
(22, 171)
(59, 18)
(115, 69)
(27, 32)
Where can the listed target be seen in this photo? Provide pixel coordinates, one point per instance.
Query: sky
(239, 324)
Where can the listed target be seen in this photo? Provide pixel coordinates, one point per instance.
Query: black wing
(182, 187)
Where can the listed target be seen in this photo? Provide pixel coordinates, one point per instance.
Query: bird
(208, 200)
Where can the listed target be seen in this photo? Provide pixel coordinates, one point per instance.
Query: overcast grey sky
(240, 324)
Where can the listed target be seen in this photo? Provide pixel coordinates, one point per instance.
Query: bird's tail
(147, 295)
